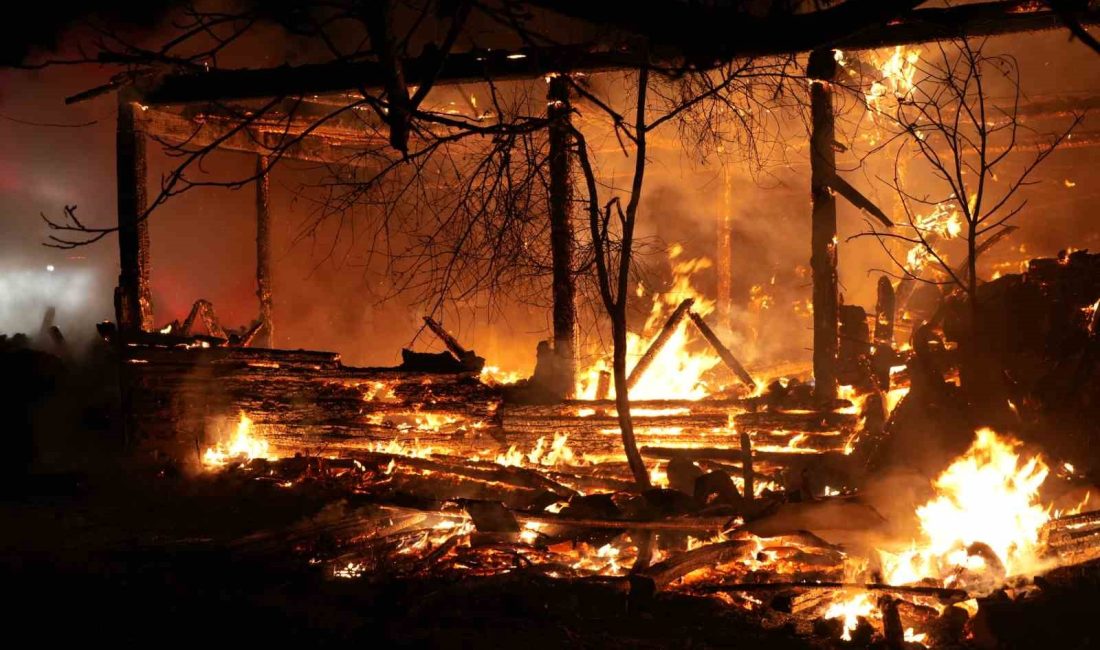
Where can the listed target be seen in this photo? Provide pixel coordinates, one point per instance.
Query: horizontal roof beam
(916, 26)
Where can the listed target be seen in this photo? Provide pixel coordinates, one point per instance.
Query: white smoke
(26, 294)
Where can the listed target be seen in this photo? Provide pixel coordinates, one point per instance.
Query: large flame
(558, 453)
(897, 69)
(243, 446)
(987, 501)
(676, 372)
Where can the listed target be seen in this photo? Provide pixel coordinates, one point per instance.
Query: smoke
(203, 242)
(26, 294)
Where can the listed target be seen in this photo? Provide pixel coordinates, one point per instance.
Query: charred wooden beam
(659, 343)
(562, 237)
(263, 250)
(467, 357)
(855, 346)
(884, 313)
(603, 385)
(644, 584)
(823, 258)
(746, 468)
(731, 454)
(204, 310)
(856, 198)
(943, 594)
(133, 307)
(867, 30)
(723, 352)
(301, 140)
(682, 524)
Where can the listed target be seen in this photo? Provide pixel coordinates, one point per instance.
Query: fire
(558, 453)
(898, 70)
(943, 222)
(494, 375)
(676, 372)
(399, 447)
(243, 446)
(851, 611)
(987, 499)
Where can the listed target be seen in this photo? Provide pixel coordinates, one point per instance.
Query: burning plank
(659, 342)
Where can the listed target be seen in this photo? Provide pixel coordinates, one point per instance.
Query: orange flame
(244, 446)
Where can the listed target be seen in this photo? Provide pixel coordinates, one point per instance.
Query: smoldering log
(659, 343)
(731, 454)
(747, 474)
(515, 476)
(645, 584)
(723, 352)
(943, 594)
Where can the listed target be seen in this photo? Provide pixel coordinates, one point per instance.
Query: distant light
(49, 267)
(516, 56)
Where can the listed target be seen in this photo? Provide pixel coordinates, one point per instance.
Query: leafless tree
(970, 144)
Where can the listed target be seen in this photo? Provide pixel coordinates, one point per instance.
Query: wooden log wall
(187, 399)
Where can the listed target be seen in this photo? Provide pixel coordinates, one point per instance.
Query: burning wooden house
(665, 468)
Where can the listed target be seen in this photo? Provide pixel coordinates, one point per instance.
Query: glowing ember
(242, 447)
(401, 448)
(986, 499)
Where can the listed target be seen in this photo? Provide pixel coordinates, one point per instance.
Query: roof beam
(258, 138)
(916, 26)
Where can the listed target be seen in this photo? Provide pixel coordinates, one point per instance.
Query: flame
(398, 447)
(851, 610)
(944, 222)
(494, 375)
(897, 70)
(379, 391)
(676, 372)
(559, 453)
(986, 496)
(242, 447)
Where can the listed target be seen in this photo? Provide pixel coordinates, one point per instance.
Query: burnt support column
(725, 251)
(884, 313)
(133, 305)
(562, 237)
(263, 252)
(823, 242)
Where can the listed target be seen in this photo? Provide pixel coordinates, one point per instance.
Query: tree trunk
(622, 400)
(562, 237)
(822, 68)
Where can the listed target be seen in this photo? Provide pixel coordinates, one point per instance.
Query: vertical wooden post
(725, 251)
(133, 305)
(823, 259)
(884, 313)
(562, 237)
(263, 251)
(747, 474)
